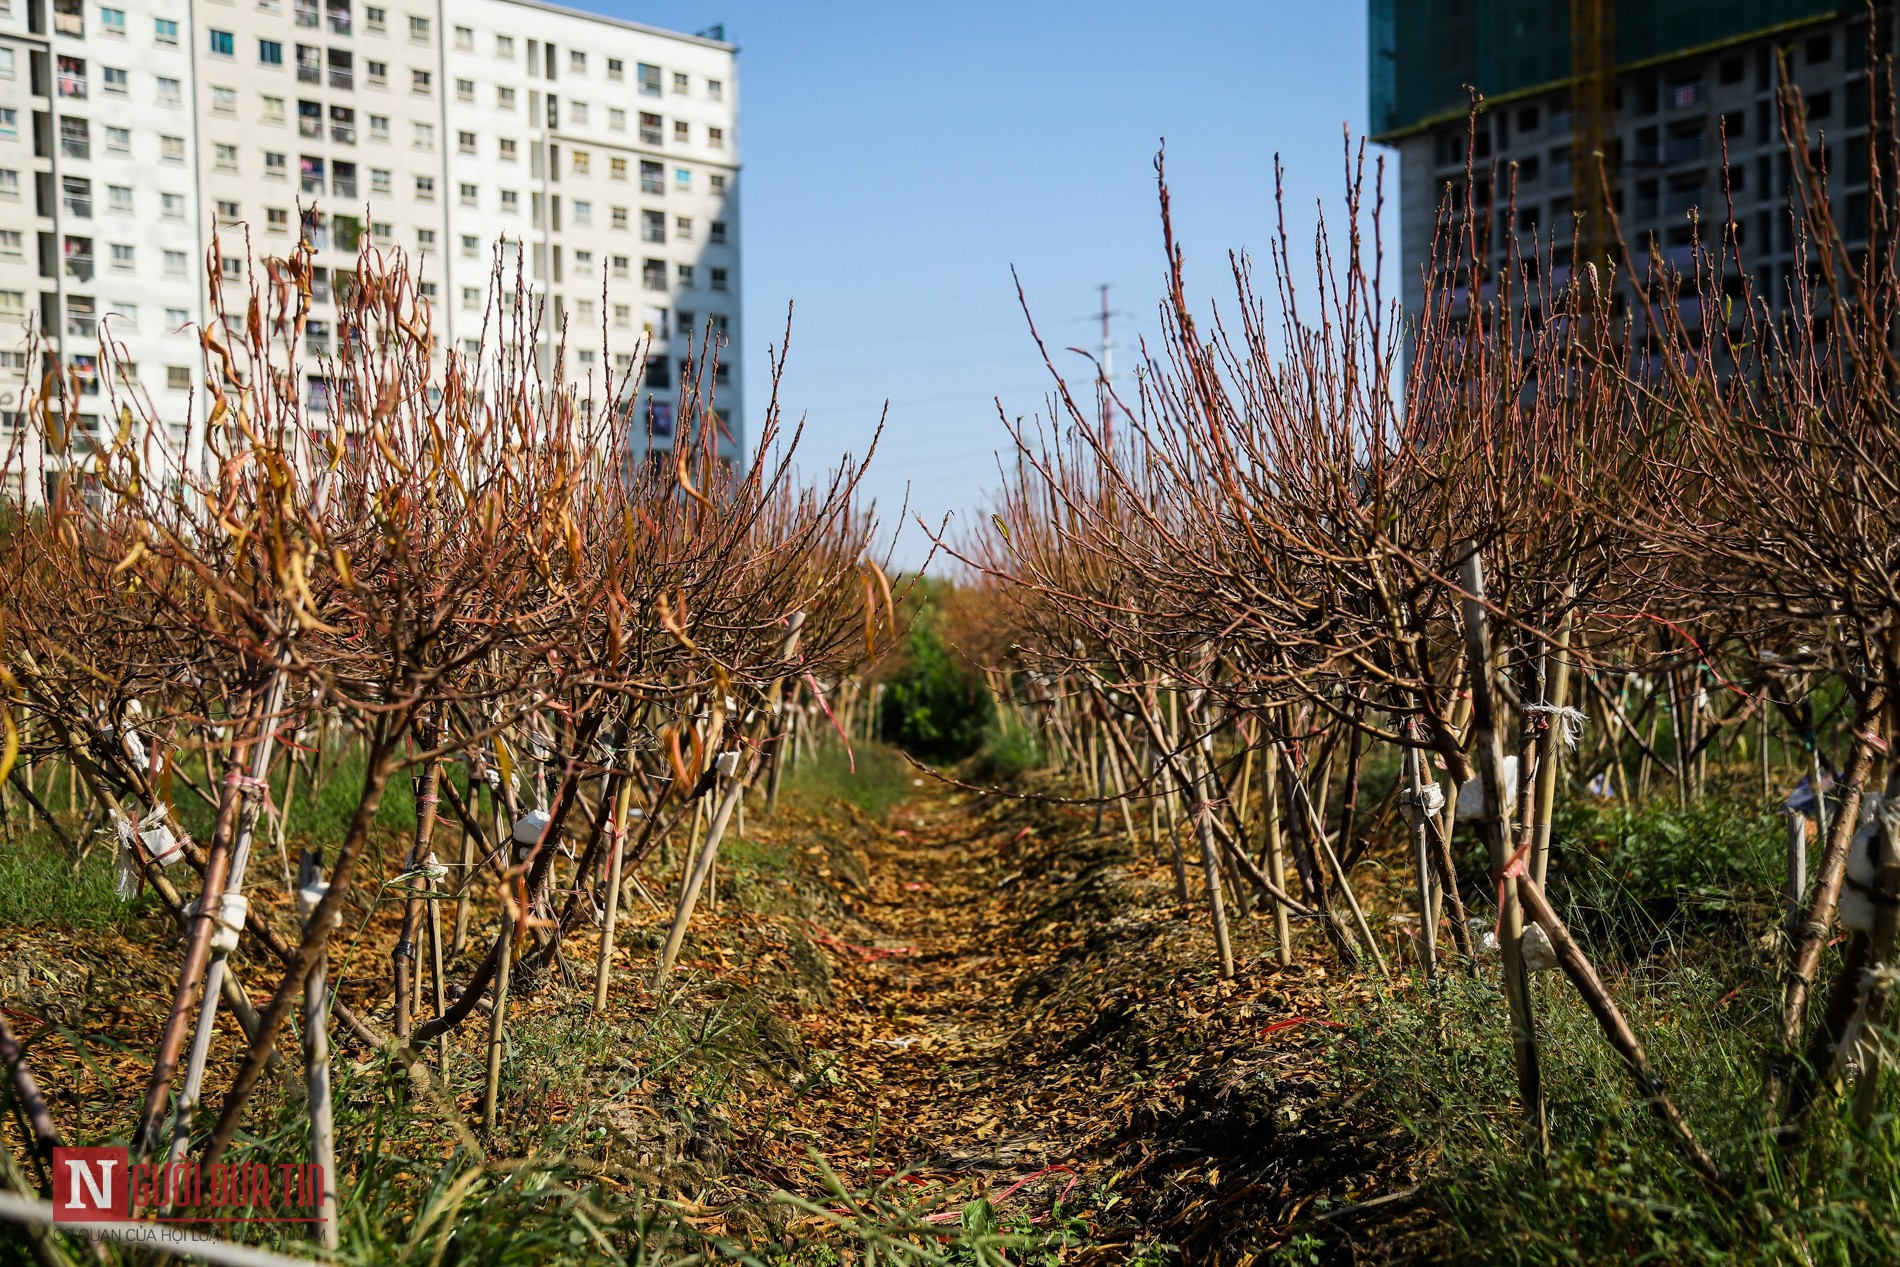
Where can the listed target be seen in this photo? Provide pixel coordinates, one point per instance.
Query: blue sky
(898, 160)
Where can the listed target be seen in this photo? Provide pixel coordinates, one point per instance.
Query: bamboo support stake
(1493, 826)
(1550, 744)
(316, 1039)
(1417, 811)
(1276, 863)
(498, 1016)
(603, 968)
(251, 793)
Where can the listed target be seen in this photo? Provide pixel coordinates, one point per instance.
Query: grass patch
(1669, 902)
(881, 781)
(40, 886)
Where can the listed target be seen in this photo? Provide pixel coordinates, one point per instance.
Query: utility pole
(1108, 374)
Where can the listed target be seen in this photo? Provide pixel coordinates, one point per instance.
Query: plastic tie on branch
(161, 844)
(1421, 805)
(1570, 721)
(528, 830)
(228, 921)
(727, 763)
(1539, 954)
(309, 896)
(125, 875)
(433, 867)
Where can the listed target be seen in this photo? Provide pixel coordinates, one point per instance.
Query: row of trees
(1315, 537)
(455, 571)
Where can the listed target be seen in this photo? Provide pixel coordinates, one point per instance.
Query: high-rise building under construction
(1666, 91)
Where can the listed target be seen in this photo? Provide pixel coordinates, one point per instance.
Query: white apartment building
(598, 155)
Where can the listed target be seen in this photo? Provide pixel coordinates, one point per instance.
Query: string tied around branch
(1571, 721)
(1426, 803)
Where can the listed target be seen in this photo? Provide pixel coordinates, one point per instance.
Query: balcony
(342, 77)
(309, 128)
(79, 265)
(69, 18)
(343, 133)
(343, 186)
(309, 72)
(75, 146)
(78, 206)
(308, 16)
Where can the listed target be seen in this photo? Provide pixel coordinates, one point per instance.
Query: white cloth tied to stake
(1570, 721)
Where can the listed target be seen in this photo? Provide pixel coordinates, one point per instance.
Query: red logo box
(91, 1185)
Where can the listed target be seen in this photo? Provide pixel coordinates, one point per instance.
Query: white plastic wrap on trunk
(1471, 792)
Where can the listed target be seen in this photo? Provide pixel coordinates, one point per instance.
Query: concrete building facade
(598, 156)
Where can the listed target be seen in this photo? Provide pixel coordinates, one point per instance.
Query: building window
(118, 140)
(505, 147)
(10, 123)
(623, 316)
(650, 129)
(620, 219)
(652, 227)
(581, 163)
(649, 77)
(165, 31)
(376, 74)
(716, 138)
(276, 167)
(583, 261)
(419, 29)
(717, 184)
(716, 89)
(10, 185)
(379, 127)
(113, 81)
(505, 46)
(223, 43)
(276, 220)
(716, 233)
(272, 109)
(171, 149)
(425, 189)
(13, 245)
(577, 61)
(379, 180)
(224, 100)
(504, 98)
(616, 120)
(6, 63)
(622, 267)
(465, 37)
(652, 178)
(617, 168)
(682, 83)
(425, 136)
(684, 276)
(471, 245)
(465, 142)
(226, 157)
(577, 112)
(175, 263)
(421, 82)
(124, 257)
(471, 298)
(119, 200)
(683, 228)
(719, 279)
(583, 212)
(653, 274)
(682, 132)
(112, 22)
(469, 195)
(376, 19)
(170, 92)
(510, 201)
(465, 90)
(683, 179)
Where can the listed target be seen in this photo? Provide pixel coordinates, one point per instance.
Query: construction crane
(1592, 111)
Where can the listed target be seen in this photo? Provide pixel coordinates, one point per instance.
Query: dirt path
(1024, 1005)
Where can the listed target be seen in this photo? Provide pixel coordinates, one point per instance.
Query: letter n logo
(91, 1185)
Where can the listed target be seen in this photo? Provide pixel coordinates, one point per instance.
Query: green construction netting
(1424, 52)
